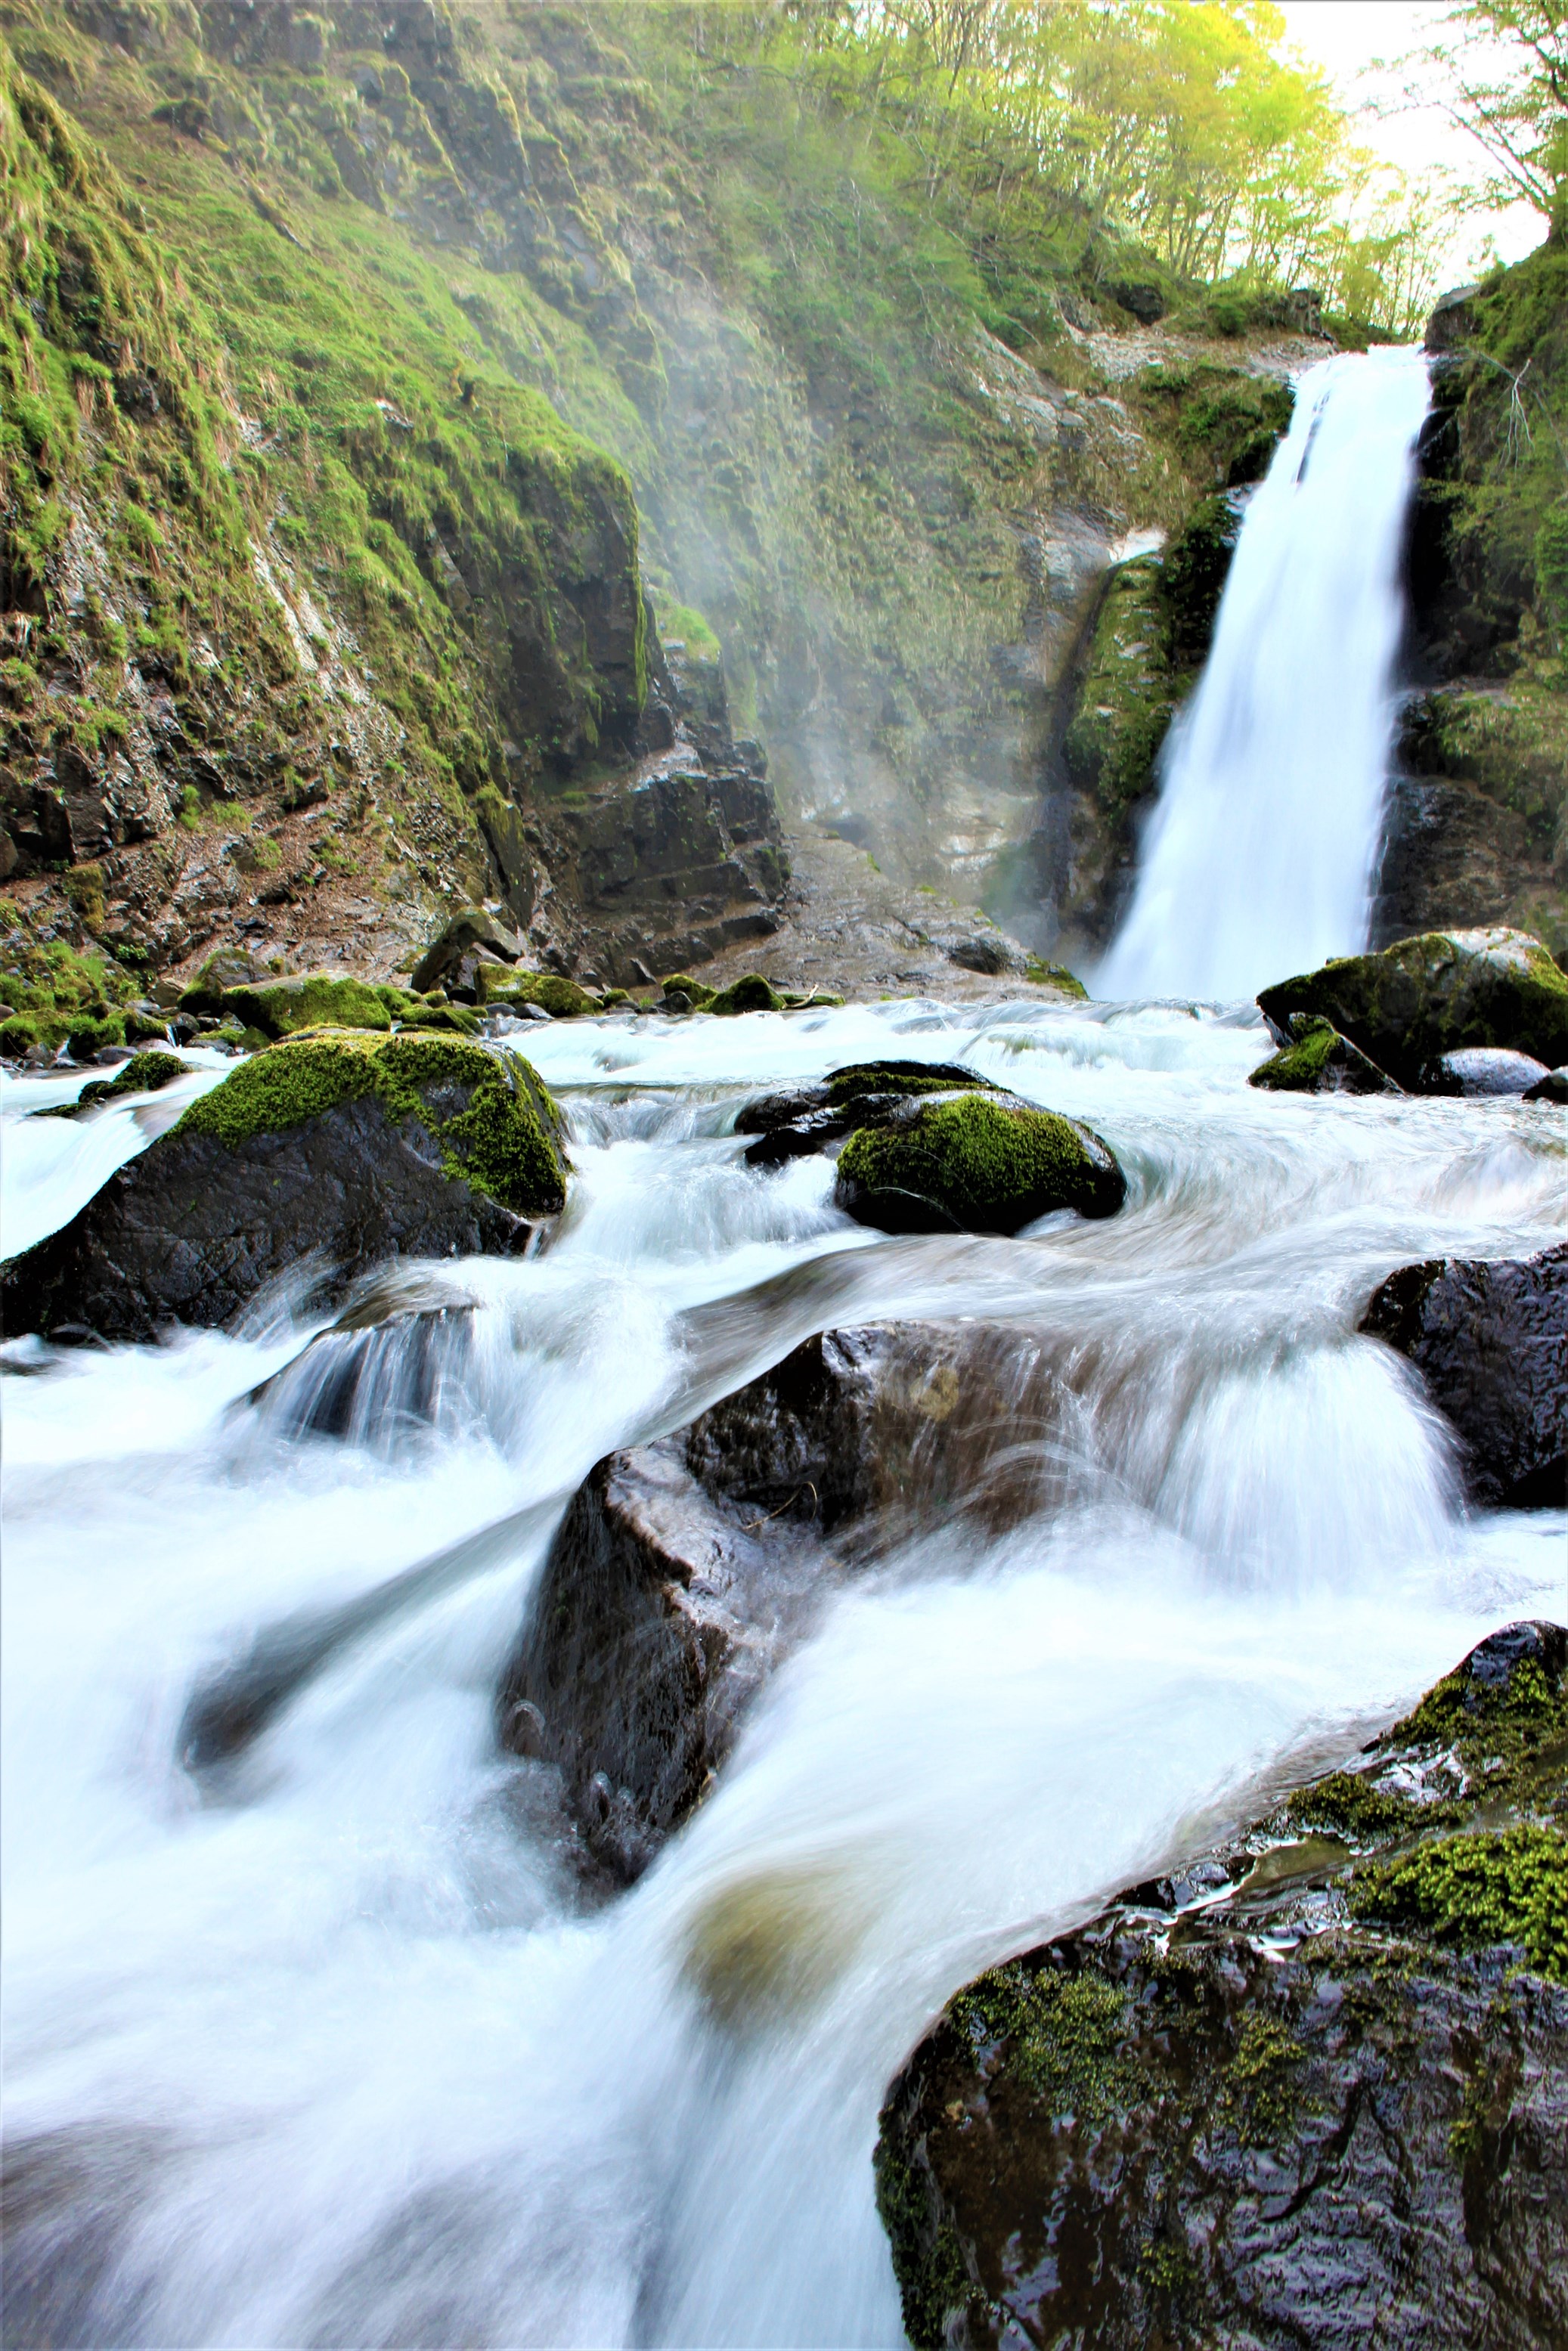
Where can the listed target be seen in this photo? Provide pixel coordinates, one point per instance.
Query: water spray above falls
(1260, 857)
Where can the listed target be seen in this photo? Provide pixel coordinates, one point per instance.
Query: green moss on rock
(752, 992)
(1321, 1062)
(975, 1166)
(1510, 1886)
(282, 1007)
(1435, 993)
(563, 999)
(144, 1073)
(495, 1123)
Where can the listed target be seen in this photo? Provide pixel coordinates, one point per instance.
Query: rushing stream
(1261, 854)
(336, 2050)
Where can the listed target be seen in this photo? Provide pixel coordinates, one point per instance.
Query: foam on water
(332, 2048)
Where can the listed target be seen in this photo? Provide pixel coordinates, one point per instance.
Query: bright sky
(1345, 36)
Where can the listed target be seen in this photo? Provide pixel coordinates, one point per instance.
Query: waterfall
(1259, 860)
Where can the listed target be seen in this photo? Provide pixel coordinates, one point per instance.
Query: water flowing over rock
(1491, 1343)
(1445, 992)
(1292, 2093)
(685, 1569)
(332, 1153)
(1263, 845)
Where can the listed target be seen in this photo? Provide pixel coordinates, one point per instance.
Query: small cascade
(1260, 857)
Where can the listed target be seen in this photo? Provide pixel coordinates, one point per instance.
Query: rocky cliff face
(1479, 816)
(390, 379)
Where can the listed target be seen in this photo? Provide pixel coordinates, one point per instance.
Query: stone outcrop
(1307, 2090)
(1319, 1061)
(335, 1152)
(1489, 1339)
(1441, 993)
(685, 1570)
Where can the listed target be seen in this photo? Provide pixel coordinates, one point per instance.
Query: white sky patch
(1347, 37)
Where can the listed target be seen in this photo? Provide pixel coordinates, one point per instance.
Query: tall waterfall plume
(1260, 856)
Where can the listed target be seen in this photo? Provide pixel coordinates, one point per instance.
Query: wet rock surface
(1490, 1342)
(1319, 1061)
(685, 1569)
(335, 1153)
(792, 1125)
(972, 1162)
(1437, 994)
(1482, 1071)
(1307, 2090)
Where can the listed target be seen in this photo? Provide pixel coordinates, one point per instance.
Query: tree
(1500, 72)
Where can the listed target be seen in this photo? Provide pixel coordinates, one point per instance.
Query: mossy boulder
(1303, 2088)
(1321, 1062)
(975, 1163)
(511, 991)
(1432, 995)
(281, 1008)
(339, 1147)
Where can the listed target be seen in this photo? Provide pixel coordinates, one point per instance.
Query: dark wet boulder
(1551, 1087)
(1437, 994)
(1319, 1061)
(975, 1163)
(1309, 2089)
(685, 1569)
(1478, 1073)
(1489, 1339)
(807, 1118)
(345, 1150)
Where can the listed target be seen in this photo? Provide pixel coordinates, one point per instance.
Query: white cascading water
(1260, 856)
(334, 2048)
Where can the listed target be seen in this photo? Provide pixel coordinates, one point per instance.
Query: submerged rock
(1319, 1061)
(343, 1149)
(974, 1162)
(1434, 994)
(1306, 2091)
(685, 1569)
(1490, 1342)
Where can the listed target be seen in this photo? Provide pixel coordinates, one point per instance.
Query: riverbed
(341, 2045)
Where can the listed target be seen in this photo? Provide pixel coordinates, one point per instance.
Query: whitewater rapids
(337, 2050)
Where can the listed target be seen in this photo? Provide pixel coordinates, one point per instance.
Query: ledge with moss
(342, 1148)
(1312, 2077)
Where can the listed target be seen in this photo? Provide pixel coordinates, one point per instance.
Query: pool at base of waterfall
(335, 2035)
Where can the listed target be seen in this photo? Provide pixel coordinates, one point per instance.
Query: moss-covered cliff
(351, 342)
(1479, 830)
